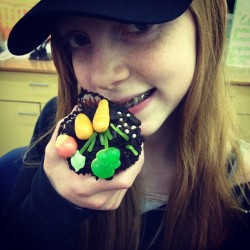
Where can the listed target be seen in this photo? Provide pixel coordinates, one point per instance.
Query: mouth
(90, 98)
(138, 99)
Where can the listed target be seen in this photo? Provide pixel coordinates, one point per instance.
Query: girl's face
(148, 67)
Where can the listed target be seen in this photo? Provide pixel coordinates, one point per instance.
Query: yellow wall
(11, 11)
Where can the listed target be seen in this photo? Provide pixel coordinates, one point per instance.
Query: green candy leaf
(105, 163)
(77, 161)
(132, 149)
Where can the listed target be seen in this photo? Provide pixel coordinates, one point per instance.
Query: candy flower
(105, 163)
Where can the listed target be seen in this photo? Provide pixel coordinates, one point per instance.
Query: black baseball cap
(35, 26)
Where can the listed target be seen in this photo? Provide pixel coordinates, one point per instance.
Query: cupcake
(100, 138)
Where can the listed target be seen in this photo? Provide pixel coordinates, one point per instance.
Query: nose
(108, 66)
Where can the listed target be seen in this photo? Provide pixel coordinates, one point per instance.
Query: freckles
(158, 65)
(150, 58)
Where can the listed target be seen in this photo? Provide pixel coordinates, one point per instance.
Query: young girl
(189, 189)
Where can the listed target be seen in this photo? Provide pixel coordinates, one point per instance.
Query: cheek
(81, 73)
(167, 66)
(172, 64)
(81, 69)
(171, 56)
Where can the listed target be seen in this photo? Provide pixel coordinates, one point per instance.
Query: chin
(148, 130)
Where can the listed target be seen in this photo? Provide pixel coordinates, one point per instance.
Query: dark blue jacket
(36, 217)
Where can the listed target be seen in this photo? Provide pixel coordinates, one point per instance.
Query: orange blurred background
(10, 12)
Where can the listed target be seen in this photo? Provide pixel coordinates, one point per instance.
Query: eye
(76, 39)
(137, 28)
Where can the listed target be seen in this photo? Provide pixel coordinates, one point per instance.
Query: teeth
(134, 101)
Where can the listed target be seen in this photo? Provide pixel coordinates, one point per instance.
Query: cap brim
(31, 30)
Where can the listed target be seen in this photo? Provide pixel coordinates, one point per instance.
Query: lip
(128, 102)
(136, 100)
(142, 104)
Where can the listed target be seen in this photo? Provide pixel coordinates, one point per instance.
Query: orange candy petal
(83, 127)
(66, 146)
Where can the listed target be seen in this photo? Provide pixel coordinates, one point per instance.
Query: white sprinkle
(121, 120)
(119, 112)
(125, 124)
(134, 135)
(119, 126)
(133, 127)
(128, 115)
(126, 131)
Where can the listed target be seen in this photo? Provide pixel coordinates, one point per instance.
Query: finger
(113, 199)
(108, 200)
(116, 200)
(51, 144)
(123, 180)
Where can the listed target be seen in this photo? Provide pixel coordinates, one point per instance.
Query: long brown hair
(201, 197)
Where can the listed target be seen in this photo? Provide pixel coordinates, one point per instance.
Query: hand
(84, 190)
